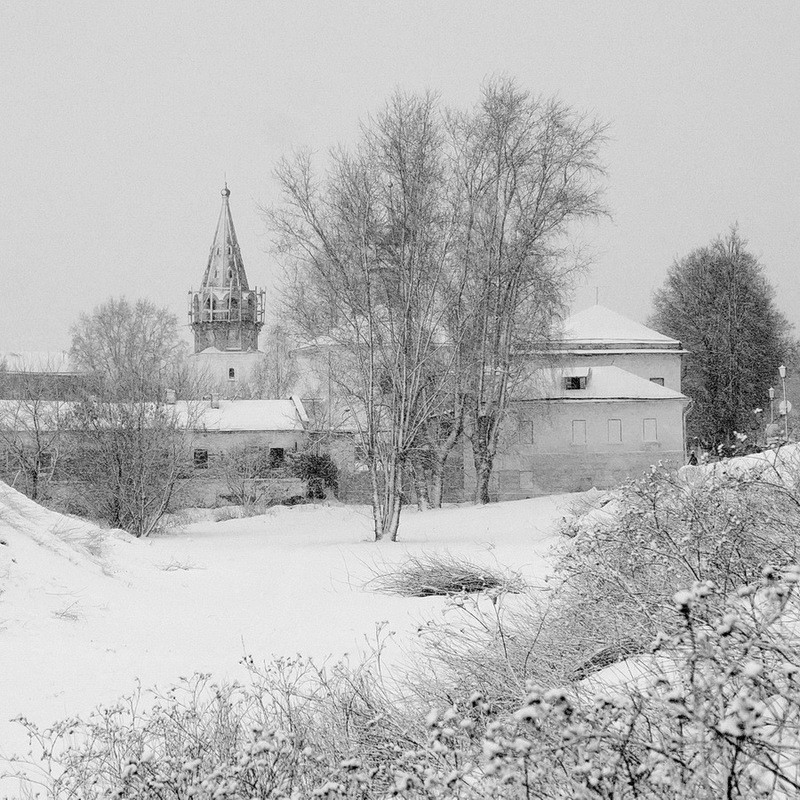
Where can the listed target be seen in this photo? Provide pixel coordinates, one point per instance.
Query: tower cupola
(225, 313)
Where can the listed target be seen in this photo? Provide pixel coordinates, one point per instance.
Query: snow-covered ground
(85, 613)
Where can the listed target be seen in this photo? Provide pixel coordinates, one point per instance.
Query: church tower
(225, 314)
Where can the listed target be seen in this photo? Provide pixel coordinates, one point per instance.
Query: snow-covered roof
(245, 415)
(57, 361)
(602, 383)
(600, 326)
(232, 415)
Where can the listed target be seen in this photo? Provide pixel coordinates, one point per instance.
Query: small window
(231, 374)
(579, 431)
(615, 431)
(575, 382)
(649, 430)
(277, 457)
(525, 431)
(45, 460)
(508, 480)
(201, 459)
(659, 381)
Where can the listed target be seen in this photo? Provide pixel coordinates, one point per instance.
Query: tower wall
(212, 370)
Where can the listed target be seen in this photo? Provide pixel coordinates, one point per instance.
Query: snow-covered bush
(615, 579)
(712, 712)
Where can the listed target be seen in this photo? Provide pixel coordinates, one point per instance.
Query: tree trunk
(437, 481)
(387, 499)
(391, 501)
(483, 453)
(420, 476)
(483, 473)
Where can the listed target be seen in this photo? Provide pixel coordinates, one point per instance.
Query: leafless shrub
(614, 582)
(713, 711)
(443, 574)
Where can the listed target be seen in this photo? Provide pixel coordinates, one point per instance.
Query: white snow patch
(85, 612)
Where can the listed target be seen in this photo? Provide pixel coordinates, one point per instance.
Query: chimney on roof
(215, 400)
(171, 396)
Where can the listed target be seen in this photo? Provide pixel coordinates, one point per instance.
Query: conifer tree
(719, 304)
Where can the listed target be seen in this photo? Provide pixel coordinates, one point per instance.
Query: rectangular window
(201, 459)
(277, 457)
(615, 431)
(508, 480)
(659, 381)
(649, 430)
(45, 460)
(575, 382)
(525, 431)
(579, 431)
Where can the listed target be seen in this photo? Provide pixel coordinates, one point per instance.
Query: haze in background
(120, 121)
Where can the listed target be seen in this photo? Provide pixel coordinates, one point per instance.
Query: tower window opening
(231, 374)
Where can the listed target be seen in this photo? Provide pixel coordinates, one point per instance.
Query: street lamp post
(771, 405)
(782, 373)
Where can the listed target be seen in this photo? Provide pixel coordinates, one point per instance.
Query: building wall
(666, 365)
(212, 369)
(568, 446)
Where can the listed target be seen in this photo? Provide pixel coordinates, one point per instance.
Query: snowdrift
(46, 557)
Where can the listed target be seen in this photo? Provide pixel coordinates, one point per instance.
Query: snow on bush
(722, 721)
(614, 581)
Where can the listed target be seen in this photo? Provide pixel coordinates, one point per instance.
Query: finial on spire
(226, 192)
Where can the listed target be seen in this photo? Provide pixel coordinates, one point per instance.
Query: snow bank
(781, 465)
(88, 612)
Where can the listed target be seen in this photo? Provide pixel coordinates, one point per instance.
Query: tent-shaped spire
(225, 265)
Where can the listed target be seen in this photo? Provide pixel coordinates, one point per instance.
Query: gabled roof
(600, 326)
(198, 415)
(603, 383)
(225, 265)
(247, 415)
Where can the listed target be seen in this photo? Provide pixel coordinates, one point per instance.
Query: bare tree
(251, 476)
(371, 254)
(129, 456)
(276, 375)
(132, 438)
(134, 347)
(528, 170)
(32, 423)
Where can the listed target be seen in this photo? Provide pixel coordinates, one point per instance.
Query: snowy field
(84, 613)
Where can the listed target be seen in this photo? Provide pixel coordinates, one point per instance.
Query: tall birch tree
(528, 170)
(370, 244)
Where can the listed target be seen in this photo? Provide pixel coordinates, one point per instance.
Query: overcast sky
(119, 121)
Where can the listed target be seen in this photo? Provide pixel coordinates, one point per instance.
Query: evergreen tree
(720, 305)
